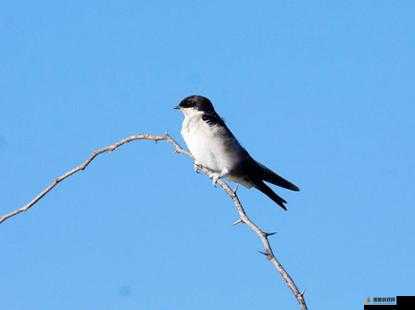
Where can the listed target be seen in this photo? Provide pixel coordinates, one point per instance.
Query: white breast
(208, 145)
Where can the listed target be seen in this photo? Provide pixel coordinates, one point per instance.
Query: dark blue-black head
(199, 103)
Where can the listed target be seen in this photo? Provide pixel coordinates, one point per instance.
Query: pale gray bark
(243, 217)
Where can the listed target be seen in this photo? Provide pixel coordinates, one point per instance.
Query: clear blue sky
(321, 91)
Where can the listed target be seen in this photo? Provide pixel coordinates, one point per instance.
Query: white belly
(208, 146)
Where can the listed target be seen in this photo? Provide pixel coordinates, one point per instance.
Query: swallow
(213, 145)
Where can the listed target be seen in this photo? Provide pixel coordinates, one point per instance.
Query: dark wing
(258, 173)
(212, 119)
(252, 168)
(270, 176)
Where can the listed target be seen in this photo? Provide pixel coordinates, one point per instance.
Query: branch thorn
(269, 234)
(238, 222)
(302, 293)
(264, 253)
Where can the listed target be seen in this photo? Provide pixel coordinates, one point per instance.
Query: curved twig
(243, 217)
(263, 236)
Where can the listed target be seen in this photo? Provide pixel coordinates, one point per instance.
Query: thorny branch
(243, 217)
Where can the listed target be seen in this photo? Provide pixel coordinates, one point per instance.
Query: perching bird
(213, 146)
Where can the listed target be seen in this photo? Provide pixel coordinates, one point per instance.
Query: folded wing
(271, 177)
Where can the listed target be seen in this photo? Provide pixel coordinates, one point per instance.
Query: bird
(213, 146)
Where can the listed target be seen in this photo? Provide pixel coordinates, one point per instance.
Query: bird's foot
(197, 167)
(217, 176)
(215, 179)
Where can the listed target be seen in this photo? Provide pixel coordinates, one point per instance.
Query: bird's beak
(176, 107)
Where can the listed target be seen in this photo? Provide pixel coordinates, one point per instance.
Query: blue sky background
(321, 91)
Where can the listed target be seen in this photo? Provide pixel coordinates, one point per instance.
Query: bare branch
(243, 217)
(85, 164)
(263, 236)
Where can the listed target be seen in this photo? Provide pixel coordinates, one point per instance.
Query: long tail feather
(272, 177)
(270, 193)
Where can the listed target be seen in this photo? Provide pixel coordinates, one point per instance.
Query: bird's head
(195, 103)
